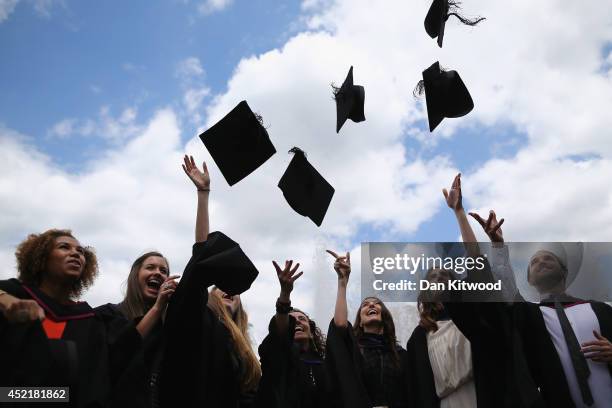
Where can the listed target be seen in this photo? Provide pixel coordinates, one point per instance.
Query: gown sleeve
(25, 356)
(275, 353)
(343, 357)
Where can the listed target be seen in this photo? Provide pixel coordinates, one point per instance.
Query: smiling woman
(366, 362)
(294, 373)
(49, 339)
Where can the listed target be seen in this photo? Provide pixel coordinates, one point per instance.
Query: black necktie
(581, 368)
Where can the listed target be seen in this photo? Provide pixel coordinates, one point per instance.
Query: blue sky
(85, 55)
(81, 57)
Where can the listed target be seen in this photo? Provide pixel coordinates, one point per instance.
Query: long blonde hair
(238, 326)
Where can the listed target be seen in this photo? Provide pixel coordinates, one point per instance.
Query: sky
(99, 101)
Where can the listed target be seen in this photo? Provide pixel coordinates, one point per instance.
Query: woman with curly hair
(369, 366)
(47, 337)
(292, 355)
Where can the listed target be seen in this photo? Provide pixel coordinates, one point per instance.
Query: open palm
(201, 179)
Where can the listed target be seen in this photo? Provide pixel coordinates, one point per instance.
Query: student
(294, 374)
(368, 367)
(207, 361)
(565, 340)
(458, 364)
(440, 354)
(48, 338)
(149, 287)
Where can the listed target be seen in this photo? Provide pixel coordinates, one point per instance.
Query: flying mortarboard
(306, 191)
(238, 143)
(435, 20)
(445, 94)
(349, 102)
(221, 262)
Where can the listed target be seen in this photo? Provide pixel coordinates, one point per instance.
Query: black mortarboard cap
(445, 94)
(349, 102)
(439, 12)
(306, 191)
(238, 143)
(435, 20)
(221, 262)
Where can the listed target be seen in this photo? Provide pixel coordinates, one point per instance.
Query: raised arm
(454, 200)
(201, 179)
(286, 277)
(342, 266)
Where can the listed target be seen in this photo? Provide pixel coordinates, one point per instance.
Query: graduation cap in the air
(238, 143)
(221, 262)
(306, 191)
(349, 102)
(438, 13)
(445, 94)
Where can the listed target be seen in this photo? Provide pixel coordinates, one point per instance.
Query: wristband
(282, 307)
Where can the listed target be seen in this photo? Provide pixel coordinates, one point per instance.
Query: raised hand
(201, 179)
(342, 266)
(454, 198)
(599, 350)
(491, 226)
(287, 276)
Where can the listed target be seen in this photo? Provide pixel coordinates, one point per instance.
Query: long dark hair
(317, 341)
(133, 304)
(387, 323)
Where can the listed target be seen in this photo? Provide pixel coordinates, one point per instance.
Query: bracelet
(203, 189)
(282, 307)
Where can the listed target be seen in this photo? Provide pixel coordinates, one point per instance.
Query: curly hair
(33, 253)
(317, 341)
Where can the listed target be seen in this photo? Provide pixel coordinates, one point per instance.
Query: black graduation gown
(364, 373)
(85, 358)
(496, 365)
(541, 355)
(136, 386)
(291, 378)
(198, 367)
(501, 376)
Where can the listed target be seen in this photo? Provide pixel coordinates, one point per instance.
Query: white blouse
(450, 356)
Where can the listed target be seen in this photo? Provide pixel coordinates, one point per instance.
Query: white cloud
(543, 79)
(191, 75)
(6, 8)
(44, 7)
(115, 130)
(193, 99)
(189, 68)
(211, 6)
